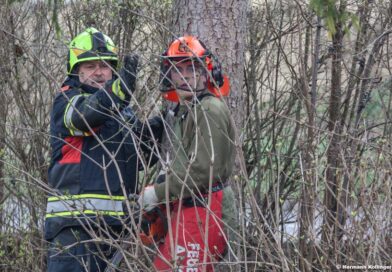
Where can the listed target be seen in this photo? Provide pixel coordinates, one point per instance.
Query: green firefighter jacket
(203, 148)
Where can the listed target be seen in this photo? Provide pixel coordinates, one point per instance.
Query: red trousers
(188, 224)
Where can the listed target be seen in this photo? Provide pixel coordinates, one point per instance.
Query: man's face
(95, 73)
(188, 76)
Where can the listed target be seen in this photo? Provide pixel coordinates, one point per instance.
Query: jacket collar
(74, 82)
(183, 109)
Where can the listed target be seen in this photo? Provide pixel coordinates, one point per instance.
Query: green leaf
(355, 21)
(331, 25)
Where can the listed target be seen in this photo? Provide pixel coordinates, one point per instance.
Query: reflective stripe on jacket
(89, 204)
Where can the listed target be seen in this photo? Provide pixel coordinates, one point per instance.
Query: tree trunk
(4, 77)
(334, 161)
(308, 190)
(221, 25)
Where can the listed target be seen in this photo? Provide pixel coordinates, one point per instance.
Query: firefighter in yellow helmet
(203, 146)
(94, 161)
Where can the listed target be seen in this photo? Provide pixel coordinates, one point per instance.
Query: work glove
(124, 86)
(129, 115)
(133, 202)
(161, 177)
(148, 198)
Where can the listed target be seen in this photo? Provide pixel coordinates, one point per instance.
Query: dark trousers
(72, 250)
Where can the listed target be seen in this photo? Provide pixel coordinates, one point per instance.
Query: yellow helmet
(91, 45)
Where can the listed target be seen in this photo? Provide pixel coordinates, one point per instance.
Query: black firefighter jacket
(94, 163)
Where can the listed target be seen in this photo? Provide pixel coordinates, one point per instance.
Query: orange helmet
(192, 48)
(186, 47)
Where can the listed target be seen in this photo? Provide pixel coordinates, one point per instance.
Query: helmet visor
(181, 73)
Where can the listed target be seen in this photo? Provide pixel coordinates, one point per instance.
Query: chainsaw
(153, 230)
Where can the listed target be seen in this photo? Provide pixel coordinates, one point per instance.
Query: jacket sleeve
(86, 111)
(201, 156)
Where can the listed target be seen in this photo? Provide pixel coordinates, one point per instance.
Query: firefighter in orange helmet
(203, 146)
